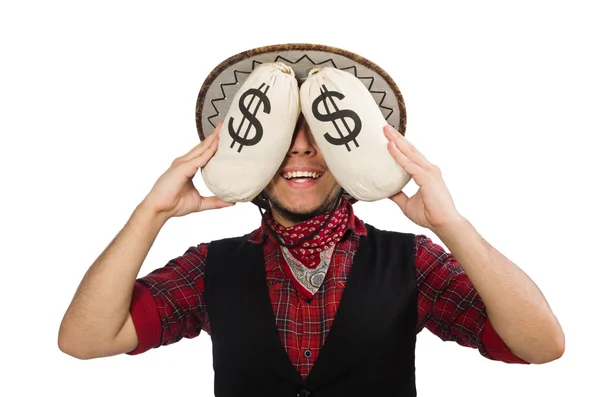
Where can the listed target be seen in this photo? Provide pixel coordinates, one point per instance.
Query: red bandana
(309, 251)
(307, 263)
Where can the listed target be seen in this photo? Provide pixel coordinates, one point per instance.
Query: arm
(168, 303)
(449, 305)
(98, 323)
(516, 307)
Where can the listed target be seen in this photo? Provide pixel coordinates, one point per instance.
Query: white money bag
(256, 134)
(347, 125)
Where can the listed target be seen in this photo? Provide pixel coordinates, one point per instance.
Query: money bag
(347, 125)
(256, 134)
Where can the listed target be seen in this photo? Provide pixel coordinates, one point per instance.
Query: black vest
(369, 351)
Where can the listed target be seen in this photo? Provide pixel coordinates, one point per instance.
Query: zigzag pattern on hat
(280, 58)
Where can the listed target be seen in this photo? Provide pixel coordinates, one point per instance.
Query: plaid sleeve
(168, 304)
(450, 307)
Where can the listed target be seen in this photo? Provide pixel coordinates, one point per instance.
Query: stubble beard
(329, 204)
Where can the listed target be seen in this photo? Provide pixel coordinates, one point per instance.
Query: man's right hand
(174, 193)
(98, 323)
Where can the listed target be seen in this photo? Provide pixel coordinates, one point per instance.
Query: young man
(314, 301)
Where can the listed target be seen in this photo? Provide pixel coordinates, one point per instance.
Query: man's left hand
(432, 206)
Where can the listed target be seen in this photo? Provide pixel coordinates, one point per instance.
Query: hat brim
(222, 83)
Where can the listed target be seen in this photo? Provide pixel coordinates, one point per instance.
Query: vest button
(307, 353)
(303, 393)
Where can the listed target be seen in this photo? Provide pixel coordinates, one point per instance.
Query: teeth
(300, 174)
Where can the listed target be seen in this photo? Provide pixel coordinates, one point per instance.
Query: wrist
(147, 214)
(455, 228)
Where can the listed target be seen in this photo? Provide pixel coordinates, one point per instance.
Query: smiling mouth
(301, 176)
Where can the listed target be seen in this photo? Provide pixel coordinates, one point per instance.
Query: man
(338, 320)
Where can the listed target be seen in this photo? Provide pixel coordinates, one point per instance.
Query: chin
(303, 205)
(298, 207)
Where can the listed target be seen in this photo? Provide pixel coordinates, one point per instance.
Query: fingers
(193, 164)
(199, 155)
(409, 157)
(417, 173)
(407, 148)
(198, 149)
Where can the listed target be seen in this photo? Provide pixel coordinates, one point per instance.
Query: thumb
(401, 199)
(213, 202)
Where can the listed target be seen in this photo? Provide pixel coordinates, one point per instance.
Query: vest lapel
(263, 304)
(338, 351)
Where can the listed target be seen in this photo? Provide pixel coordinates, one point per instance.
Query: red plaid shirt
(168, 304)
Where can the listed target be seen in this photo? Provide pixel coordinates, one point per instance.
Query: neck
(283, 221)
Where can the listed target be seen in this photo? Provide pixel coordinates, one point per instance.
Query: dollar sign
(251, 117)
(338, 114)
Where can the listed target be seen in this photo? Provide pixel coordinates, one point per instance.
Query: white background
(97, 98)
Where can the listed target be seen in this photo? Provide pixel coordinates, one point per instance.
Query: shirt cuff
(494, 348)
(145, 319)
